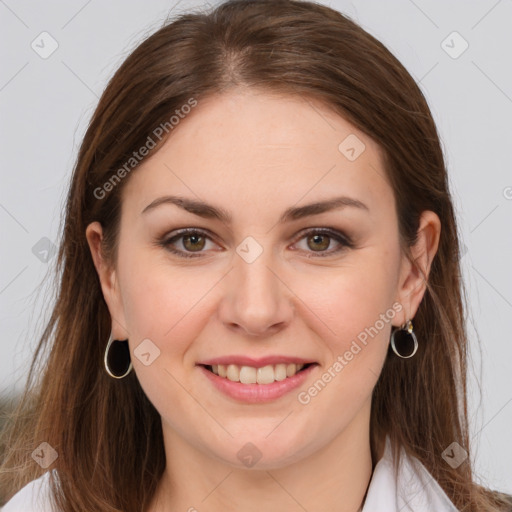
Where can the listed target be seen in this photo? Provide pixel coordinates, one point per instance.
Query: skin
(255, 155)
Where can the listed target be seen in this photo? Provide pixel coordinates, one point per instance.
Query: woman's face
(273, 277)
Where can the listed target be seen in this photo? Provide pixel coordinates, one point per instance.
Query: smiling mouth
(251, 375)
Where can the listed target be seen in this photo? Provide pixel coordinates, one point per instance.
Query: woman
(260, 304)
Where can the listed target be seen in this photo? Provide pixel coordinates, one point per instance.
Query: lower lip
(257, 393)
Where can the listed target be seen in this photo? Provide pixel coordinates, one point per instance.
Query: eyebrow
(209, 211)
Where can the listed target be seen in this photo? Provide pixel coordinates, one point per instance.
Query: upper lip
(255, 363)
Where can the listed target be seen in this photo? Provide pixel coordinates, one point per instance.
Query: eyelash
(341, 238)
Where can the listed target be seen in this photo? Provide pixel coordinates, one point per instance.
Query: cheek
(159, 298)
(352, 299)
(354, 312)
(163, 304)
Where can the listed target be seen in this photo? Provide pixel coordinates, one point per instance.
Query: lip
(241, 360)
(257, 393)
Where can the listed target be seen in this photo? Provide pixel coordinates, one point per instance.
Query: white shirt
(413, 491)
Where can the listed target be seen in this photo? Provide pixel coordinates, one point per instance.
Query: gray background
(46, 103)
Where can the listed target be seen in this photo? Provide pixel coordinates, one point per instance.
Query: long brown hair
(106, 432)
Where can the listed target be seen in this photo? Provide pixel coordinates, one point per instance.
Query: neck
(333, 479)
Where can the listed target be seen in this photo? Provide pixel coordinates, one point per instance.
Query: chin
(259, 452)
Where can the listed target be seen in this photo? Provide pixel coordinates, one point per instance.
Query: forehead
(262, 150)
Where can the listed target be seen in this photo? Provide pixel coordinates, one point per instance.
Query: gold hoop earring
(408, 330)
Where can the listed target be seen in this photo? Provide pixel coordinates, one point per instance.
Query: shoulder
(34, 497)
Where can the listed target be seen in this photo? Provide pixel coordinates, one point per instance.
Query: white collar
(414, 490)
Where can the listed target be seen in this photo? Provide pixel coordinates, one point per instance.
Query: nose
(256, 301)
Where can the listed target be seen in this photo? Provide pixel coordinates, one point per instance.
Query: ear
(413, 277)
(108, 281)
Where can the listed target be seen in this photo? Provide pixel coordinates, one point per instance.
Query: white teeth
(281, 373)
(265, 375)
(250, 375)
(233, 373)
(290, 370)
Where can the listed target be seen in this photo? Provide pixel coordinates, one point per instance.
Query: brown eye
(324, 242)
(193, 242)
(188, 243)
(319, 242)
